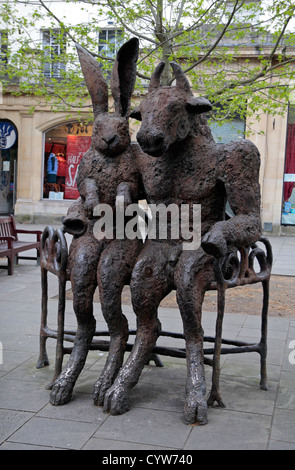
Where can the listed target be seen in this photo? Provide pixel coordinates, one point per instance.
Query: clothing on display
(61, 165)
(52, 168)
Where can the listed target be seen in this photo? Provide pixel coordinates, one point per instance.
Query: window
(3, 47)
(109, 41)
(224, 133)
(288, 213)
(54, 43)
(64, 147)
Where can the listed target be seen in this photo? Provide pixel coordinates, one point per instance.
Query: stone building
(38, 187)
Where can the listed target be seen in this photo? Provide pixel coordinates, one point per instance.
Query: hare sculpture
(106, 171)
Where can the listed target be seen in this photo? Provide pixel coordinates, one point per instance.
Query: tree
(240, 54)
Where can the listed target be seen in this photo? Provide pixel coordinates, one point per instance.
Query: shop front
(8, 166)
(40, 152)
(288, 209)
(64, 147)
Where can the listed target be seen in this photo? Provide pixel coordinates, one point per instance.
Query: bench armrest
(9, 241)
(33, 232)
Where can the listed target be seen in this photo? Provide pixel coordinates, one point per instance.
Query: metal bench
(11, 246)
(238, 268)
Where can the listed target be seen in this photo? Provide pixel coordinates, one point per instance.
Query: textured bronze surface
(106, 171)
(175, 161)
(185, 166)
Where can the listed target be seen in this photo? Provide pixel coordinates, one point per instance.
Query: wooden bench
(11, 246)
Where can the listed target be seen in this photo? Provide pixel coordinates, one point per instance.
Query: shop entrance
(8, 166)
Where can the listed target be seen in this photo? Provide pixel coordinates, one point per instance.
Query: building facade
(37, 188)
(40, 151)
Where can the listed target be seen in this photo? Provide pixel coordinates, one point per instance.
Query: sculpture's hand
(214, 243)
(88, 209)
(91, 200)
(123, 191)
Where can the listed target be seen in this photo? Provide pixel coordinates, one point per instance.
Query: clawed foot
(195, 409)
(116, 400)
(215, 396)
(61, 392)
(101, 387)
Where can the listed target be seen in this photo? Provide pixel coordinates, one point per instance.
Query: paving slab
(252, 419)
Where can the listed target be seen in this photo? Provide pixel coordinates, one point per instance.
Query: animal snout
(152, 143)
(111, 139)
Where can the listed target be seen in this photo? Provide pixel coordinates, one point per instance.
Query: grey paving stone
(244, 394)
(17, 446)
(231, 430)
(279, 445)
(11, 421)
(286, 398)
(58, 433)
(146, 426)
(283, 427)
(103, 444)
(79, 409)
(31, 396)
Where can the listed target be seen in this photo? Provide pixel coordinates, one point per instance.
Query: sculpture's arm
(89, 194)
(240, 176)
(75, 221)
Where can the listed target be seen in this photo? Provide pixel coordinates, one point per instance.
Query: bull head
(167, 113)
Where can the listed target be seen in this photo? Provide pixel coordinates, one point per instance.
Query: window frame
(105, 45)
(53, 46)
(4, 46)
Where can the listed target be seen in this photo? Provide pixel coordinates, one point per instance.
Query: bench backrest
(7, 227)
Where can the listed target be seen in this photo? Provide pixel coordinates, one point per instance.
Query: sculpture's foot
(101, 387)
(195, 408)
(215, 396)
(61, 392)
(116, 400)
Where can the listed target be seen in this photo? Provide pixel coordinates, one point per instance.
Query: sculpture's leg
(149, 285)
(83, 261)
(192, 276)
(114, 271)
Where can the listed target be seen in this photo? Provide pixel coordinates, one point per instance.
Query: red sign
(76, 147)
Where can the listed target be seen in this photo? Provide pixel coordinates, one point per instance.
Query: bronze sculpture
(106, 171)
(185, 166)
(176, 161)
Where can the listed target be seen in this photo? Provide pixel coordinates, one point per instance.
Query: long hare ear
(123, 76)
(94, 79)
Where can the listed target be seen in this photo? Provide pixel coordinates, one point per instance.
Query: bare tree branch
(215, 44)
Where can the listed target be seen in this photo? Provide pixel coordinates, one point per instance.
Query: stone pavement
(252, 419)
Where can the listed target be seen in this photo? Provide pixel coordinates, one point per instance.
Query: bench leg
(59, 355)
(263, 340)
(43, 358)
(10, 265)
(215, 390)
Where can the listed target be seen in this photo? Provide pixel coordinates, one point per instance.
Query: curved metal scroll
(238, 267)
(54, 256)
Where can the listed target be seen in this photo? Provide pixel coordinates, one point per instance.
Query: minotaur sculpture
(185, 165)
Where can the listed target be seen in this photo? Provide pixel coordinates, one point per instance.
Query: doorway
(8, 166)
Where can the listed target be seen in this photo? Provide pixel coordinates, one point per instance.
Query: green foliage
(239, 54)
